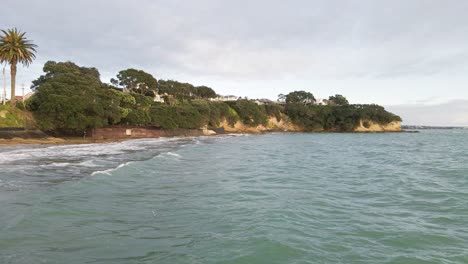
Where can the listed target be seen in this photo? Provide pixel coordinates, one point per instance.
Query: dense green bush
(310, 117)
(178, 116)
(136, 117)
(250, 113)
(274, 110)
(215, 112)
(72, 98)
(185, 91)
(376, 113)
(337, 118)
(192, 115)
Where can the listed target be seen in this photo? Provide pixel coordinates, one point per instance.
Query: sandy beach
(54, 141)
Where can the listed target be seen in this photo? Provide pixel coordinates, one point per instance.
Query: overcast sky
(409, 55)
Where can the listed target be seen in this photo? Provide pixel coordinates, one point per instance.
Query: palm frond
(16, 48)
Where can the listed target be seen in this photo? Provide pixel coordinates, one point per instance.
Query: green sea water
(276, 198)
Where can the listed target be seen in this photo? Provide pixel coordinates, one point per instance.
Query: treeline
(69, 98)
(337, 117)
(137, 81)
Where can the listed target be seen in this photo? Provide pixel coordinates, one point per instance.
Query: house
(25, 97)
(28, 95)
(226, 98)
(320, 101)
(159, 98)
(263, 101)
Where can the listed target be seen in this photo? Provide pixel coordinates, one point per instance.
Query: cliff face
(285, 125)
(273, 125)
(369, 126)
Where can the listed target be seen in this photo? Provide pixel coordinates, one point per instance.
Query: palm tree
(15, 48)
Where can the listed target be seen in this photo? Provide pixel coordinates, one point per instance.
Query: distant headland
(69, 100)
(431, 127)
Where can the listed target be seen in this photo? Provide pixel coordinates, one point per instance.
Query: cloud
(251, 41)
(452, 113)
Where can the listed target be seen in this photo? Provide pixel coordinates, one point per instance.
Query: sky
(410, 56)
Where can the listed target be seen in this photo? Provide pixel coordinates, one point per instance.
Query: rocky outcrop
(369, 126)
(284, 125)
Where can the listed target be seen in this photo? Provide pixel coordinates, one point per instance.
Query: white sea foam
(110, 171)
(174, 154)
(238, 135)
(88, 163)
(13, 156)
(28, 154)
(57, 164)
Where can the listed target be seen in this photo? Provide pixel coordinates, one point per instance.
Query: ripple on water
(283, 198)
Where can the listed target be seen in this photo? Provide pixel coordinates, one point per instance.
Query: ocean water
(276, 198)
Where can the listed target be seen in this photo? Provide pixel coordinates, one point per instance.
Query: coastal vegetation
(136, 81)
(337, 117)
(69, 99)
(12, 117)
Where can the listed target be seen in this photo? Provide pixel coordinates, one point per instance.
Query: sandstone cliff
(369, 126)
(285, 125)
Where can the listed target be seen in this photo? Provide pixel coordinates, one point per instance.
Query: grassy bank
(15, 117)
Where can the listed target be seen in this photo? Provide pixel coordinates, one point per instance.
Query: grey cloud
(250, 40)
(452, 113)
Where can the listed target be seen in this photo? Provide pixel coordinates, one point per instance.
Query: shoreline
(78, 141)
(54, 141)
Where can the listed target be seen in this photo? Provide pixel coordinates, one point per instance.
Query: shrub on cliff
(309, 117)
(274, 110)
(215, 112)
(191, 115)
(177, 116)
(250, 113)
(376, 113)
(337, 118)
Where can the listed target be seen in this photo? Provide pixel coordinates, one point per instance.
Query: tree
(70, 98)
(204, 92)
(300, 97)
(15, 48)
(281, 98)
(338, 99)
(136, 81)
